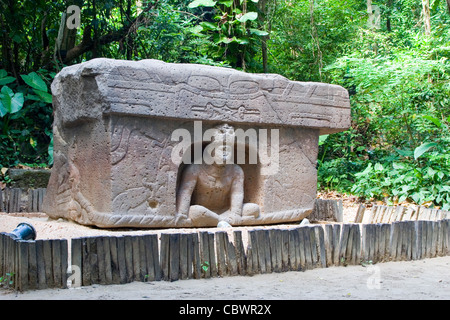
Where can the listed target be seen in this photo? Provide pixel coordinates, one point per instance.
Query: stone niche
(113, 127)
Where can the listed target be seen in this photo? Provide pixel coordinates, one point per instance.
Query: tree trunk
(315, 38)
(426, 16)
(370, 13)
(87, 43)
(388, 18)
(448, 6)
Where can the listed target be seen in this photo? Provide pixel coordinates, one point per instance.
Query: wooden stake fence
(175, 256)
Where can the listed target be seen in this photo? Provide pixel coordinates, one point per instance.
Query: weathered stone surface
(114, 120)
(28, 178)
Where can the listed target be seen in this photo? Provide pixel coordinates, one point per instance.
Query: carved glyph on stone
(113, 126)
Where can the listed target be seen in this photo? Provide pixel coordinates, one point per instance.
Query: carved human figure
(210, 193)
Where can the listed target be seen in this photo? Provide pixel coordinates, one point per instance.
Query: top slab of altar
(198, 92)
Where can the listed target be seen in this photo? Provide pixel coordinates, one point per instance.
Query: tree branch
(87, 43)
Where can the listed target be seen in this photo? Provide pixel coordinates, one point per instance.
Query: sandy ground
(424, 279)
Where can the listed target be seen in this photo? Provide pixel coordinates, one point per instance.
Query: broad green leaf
(3, 73)
(11, 103)
(436, 121)
(227, 3)
(378, 167)
(322, 139)
(6, 91)
(431, 172)
(208, 25)
(404, 153)
(226, 40)
(241, 41)
(197, 29)
(420, 150)
(248, 16)
(398, 165)
(17, 102)
(44, 96)
(35, 81)
(201, 3)
(6, 80)
(3, 110)
(260, 33)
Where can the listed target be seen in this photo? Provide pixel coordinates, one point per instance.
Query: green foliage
(398, 77)
(399, 86)
(7, 281)
(232, 32)
(25, 120)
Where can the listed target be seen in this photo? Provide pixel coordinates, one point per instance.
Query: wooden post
(343, 244)
(151, 257)
(174, 256)
(430, 233)
(267, 252)
(356, 248)
(284, 250)
(360, 213)
(107, 260)
(367, 234)
(393, 240)
(294, 245)
(204, 254)
(164, 256)
(44, 262)
(320, 245)
(129, 258)
(222, 269)
(32, 265)
(184, 256)
(135, 258)
(101, 260)
(301, 248)
(121, 256)
(446, 235)
(240, 253)
(212, 255)
(196, 268)
(275, 249)
(115, 269)
(329, 244)
(22, 283)
(252, 254)
(59, 257)
(231, 257)
(309, 262)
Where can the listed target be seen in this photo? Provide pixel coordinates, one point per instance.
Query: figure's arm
(187, 186)
(237, 192)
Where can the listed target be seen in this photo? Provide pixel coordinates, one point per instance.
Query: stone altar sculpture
(114, 144)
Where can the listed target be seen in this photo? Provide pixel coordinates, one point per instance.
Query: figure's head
(223, 144)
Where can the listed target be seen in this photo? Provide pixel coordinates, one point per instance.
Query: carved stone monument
(131, 140)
